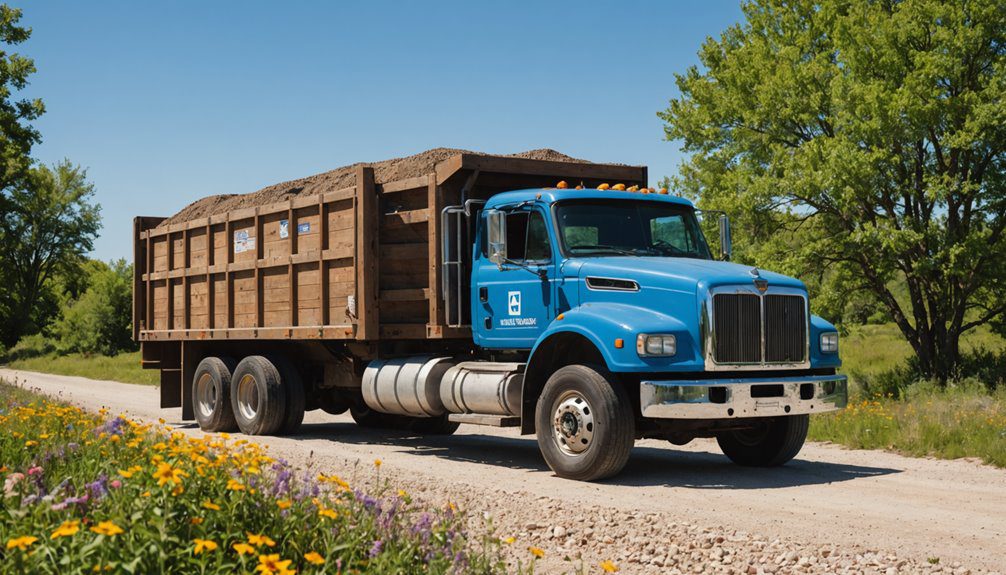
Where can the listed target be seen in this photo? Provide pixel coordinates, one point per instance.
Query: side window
(576, 236)
(516, 235)
(538, 248)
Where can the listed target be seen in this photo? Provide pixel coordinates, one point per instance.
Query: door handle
(483, 294)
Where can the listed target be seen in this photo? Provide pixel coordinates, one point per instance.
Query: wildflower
(67, 529)
(167, 474)
(107, 528)
(271, 565)
(34, 470)
(259, 540)
(510, 540)
(210, 505)
(375, 550)
(30, 443)
(196, 521)
(235, 485)
(402, 493)
(22, 543)
(115, 484)
(330, 513)
(203, 545)
(377, 463)
(537, 552)
(609, 567)
(243, 548)
(314, 558)
(284, 504)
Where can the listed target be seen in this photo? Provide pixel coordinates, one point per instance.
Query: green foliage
(51, 224)
(84, 491)
(99, 320)
(858, 145)
(31, 346)
(17, 136)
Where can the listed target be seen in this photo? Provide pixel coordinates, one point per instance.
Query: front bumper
(750, 397)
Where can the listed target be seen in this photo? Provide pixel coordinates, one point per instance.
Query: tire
(257, 396)
(366, 417)
(585, 423)
(293, 386)
(773, 443)
(331, 402)
(211, 394)
(434, 425)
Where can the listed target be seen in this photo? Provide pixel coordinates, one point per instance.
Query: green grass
(124, 367)
(86, 492)
(871, 349)
(959, 421)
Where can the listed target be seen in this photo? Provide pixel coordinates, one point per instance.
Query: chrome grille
(751, 328)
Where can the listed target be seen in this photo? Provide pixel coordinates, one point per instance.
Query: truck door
(513, 305)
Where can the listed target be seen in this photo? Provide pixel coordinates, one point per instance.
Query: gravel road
(673, 509)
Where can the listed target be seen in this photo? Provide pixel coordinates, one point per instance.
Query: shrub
(99, 321)
(30, 346)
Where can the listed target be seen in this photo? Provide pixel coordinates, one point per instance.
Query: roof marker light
(632, 189)
(562, 185)
(603, 187)
(619, 187)
(663, 191)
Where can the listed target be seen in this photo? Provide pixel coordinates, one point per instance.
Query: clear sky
(169, 102)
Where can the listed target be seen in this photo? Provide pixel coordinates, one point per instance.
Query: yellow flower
(21, 543)
(314, 558)
(609, 567)
(509, 540)
(330, 513)
(537, 552)
(284, 504)
(259, 540)
(107, 528)
(30, 443)
(243, 548)
(203, 545)
(377, 463)
(196, 521)
(211, 506)
(235, 485)
(145, 494)
(167, 474)
(67, 529)
(271, 565)
(402, 493)
(125, 473)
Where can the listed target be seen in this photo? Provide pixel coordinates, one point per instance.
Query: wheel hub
(206, 395)
(247, 397)
(573, 422)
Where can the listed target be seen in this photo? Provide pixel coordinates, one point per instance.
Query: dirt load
(384, 171)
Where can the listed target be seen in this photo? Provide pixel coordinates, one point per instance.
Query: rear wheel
(772, 442)
(293, 387)
(585, 424)
(211, 394)
(257, 396)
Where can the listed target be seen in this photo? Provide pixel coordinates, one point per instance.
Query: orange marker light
(663, 191)
(633, 189)
(619, 343)
(562, 185)
(603, 187)
(561, 316)
(619, 187)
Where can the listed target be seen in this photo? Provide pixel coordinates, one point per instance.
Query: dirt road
(673, 509)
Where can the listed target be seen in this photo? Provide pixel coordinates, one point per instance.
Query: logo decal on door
(513, 302)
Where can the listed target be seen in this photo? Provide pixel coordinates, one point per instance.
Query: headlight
(829, 342)
(655, 344)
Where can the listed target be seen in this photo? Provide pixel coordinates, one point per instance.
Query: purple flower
(376, 549)
(112, 427)
(99, 487)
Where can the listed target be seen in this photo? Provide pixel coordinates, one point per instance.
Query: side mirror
(725, 249)
(496, 236)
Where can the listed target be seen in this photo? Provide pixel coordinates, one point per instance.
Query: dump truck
(566, 299)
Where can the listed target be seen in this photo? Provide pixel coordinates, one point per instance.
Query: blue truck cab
(632, 328)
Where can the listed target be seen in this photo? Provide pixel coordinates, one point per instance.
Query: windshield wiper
(600, 247)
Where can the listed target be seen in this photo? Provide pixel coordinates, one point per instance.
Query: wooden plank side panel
(198, 248)
(276, 297)
(308, 281)
(308, 240)
(435, 195)
(367, 242)
(219, 293)
(243, 241)
(340, 285)
(273, 244)
(243, 299)
(199, 303)
(160, 254)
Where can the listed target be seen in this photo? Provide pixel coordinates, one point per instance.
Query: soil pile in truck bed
(384, 171)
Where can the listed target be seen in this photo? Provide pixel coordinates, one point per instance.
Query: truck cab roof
(552, 195)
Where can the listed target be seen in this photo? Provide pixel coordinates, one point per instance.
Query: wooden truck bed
(360, 263)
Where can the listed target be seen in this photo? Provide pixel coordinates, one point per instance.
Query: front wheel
(584, 423)
(772, 442)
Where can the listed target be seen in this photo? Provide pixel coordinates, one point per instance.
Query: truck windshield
(629, 227)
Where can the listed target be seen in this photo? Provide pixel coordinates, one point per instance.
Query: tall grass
(124, 367)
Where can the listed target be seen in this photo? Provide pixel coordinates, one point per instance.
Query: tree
(52, 223)
(876, 131)
(99, 320)
(16, 136)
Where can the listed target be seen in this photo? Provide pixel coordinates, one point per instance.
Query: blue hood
(679, 274)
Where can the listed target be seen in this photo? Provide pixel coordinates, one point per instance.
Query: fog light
(829, 342)
(656, 344)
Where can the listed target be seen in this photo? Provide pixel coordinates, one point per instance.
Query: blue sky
(166, 103)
